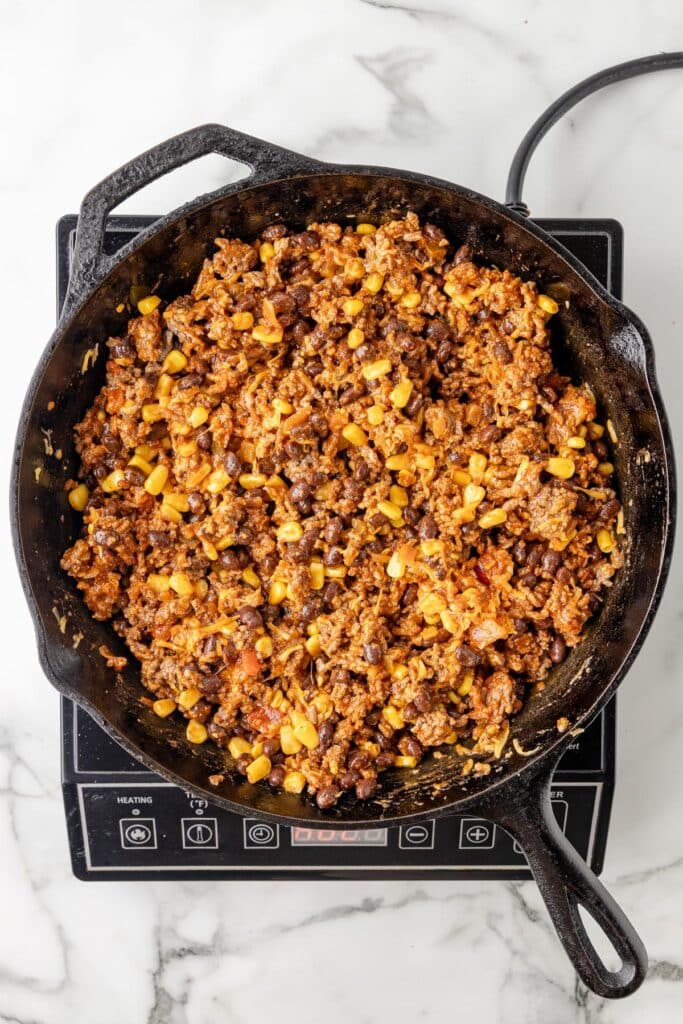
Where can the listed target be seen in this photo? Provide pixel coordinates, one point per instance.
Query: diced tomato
(250, 662)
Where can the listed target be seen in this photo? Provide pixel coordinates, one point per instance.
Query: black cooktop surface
(126, 822)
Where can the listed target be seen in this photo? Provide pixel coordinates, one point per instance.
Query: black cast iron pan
(595, 337)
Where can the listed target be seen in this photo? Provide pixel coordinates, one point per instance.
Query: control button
(138, 833)
(417, 837)
(199, 834)
(476, 834)
(259, 835)
(561, 809)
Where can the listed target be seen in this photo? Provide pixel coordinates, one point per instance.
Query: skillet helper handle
(567, 883)
(266, 162)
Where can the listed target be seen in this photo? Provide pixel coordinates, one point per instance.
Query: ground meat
(340, 505)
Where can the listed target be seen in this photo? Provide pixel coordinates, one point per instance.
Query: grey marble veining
(442, 86)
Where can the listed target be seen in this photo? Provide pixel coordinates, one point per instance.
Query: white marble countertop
(441, 86)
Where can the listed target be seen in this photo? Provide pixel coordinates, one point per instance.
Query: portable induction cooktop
(124, 822)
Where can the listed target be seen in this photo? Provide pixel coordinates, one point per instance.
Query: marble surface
(442, 86)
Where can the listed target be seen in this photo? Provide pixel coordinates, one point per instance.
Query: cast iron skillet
(595, 337)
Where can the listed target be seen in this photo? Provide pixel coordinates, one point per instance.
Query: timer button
(260, 835)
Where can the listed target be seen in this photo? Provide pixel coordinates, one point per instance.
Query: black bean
(107, 538)
(300, 491)
(271, 746)
(551, 561)
(308, 542)
(327, 797)
(609, 510)
(361, 470)
(333, 531)
(414, 404)
(301, 295)
(276, 776)
(423, 700)
(242, 763)
(462, 255)
(351, 393)
(340, 677)
(232, 464)
(273, 231)
(410, 712)
(314, 368)
(350, 778)
(333, 557)
(384, 760)
(331, 591)
(282, 303)
(410, 746)
(521, 626)
(310, 610)
(250, 617)
(190, 380)
(558, 650)
(228, 559)
(529, 580)
(443, 352)
(358, 759)
(534, 556)
(353, 490)
(427, 529)
(158, 538)
(210, 685)
(411, 515)
(325, 734)
(563, 575)
(409, 595)
(519, 552)
(292, 450)
(373, 653)
(601, 450)
(467, 656)
(365, 788)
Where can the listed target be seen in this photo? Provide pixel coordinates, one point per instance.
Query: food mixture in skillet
(340, 504)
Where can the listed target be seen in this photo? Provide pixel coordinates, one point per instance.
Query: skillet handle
(266, 161)
(567, 883)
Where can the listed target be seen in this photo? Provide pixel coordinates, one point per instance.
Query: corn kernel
(277, 592)
(477, 466)
(604, 469)
(266, 251)
(156, 481)
(376, 415)
(429, 548)
(548, 305)
(113, 482)
(389, 509)
(174, 362)
(399, 462)
(238, 746)
(294, 782)
(137, 462)
(373, 371)
(260, 767)
(145, 451)
(280, 405)
(198, 416)
(288, 741)
(496, 517)
(256, 749)
(401, 394)
(561, 468)
(201, 589)
(177, 500)
(313, 646)
(267, 334)
(164, 386)
(148, 304)
(398, 495)
(250, 578)
(405, 761)
(196, 732)
(605, 541)
(264, 646)
(432, 604)
(242, 321)
(164, 707)
(306, 733)
(373, 283)
(217, 481)
(78, 497)
(355, 338)
(352, 307)
(576, 442)
(188, 698)
(461, 477)
(186, 448)
(197, 475)
(393, 716)
(181, 583)
(366, 229)
(355, 269)
(396, 567)
(354, 434)
(473, 495)
(251, 480)
(290, 532)
(466, 684)
(170, 514)
(317, 574)
(595, 431)
(336, 572)
(410, 300)
(424, 461)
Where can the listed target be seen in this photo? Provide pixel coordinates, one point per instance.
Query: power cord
(569, 99)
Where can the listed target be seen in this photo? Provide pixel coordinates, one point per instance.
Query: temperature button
(260, 835)
(199, 833)
(138, 833)
(417, 837)
(477, 834)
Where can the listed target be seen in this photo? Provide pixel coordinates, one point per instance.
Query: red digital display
(339, 837)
